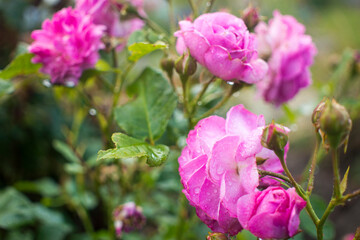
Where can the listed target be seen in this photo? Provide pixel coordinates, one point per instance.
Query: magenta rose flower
(218, 166)
(222, 43)
(272, 213)
(107, 13)
(67, 45)
(290, 53)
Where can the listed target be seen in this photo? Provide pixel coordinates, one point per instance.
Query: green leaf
(66, 151)
(21, 65)
(6, 87)
(140, 49)
(128, 147)
(15, 209)
(148, 116)
(46, 187)
(343, 184)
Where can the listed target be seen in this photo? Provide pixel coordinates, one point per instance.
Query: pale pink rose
(107, 13)
(222, 43)
(218, 166)
(272, 213)
(67, 45)
(290, 54)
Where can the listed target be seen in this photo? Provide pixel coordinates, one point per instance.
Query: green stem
(227, 96)
(310, 185)
(209, 5)
(323, 219)
(181, 217)
(184, 81)
(351, 195)
(299, 189)
(193, 8)
(195, 101)
(277, 175)
(335, 162)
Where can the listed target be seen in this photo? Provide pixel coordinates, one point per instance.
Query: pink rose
(66, 45)
(290, 54)
(218, 166)
(272, 213)
(107, 13)
(222, 43)
(349, 236)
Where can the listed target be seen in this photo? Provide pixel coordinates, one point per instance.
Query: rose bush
(222, 43)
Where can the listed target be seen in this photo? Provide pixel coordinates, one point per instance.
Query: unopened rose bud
(275, 137)
(251, 17)
(217, 236)
(191, 66)
(179, 64)
(128, 217)
(335, 124)
(315, 118)
(167, 65)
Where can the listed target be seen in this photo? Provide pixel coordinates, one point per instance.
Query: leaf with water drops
(140, 49)
(128, 147)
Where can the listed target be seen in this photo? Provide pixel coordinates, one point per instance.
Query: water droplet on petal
(220, 170)
(47, 83)
(197, 190)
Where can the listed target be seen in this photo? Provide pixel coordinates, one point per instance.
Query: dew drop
(92, 111)
(70, 84)
(197, 190)
(230, 83)
(208, 4)
(47, 83)
(215, 191)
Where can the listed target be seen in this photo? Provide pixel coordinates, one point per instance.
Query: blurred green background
(31, 119)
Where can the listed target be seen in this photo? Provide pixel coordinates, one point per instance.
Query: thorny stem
(323, 219)
(209, 5)
(299, 189)
(310, 185)
(335, 162)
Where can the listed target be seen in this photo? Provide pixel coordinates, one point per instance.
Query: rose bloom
(272, 213)
(222, 43)
(66, 45)
(107, 13)
(218, 166)
(290, 54)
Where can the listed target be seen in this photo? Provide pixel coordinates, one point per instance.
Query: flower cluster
(69, 43)
(290, 53)
(219, 172)
(66, 45)
(222, 43)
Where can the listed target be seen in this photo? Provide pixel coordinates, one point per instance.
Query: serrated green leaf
(6, 87)
(140, 49)
(128, 147)
(343, 184)
(66, 151)
(148, 115)
(21, 65)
